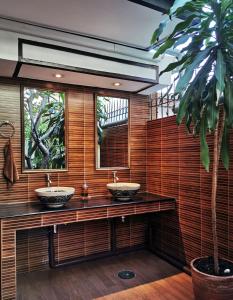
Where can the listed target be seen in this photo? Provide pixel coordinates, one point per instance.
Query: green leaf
(188, 119)
(168, 44)
(216, 7)
(212, 111)
(185, 79)
(177, 4)
(173, 66)
(182, 40)
(182, 109)
(182, 25)
(193, 92)
(225, 148)
(159, 30)
(205, 158)
(213, 44)
(230, 45)
(62, 96)
(226, 4)
(187, 8)
(228, 101)
(220, 71)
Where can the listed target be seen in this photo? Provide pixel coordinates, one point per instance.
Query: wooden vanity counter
(27, 216)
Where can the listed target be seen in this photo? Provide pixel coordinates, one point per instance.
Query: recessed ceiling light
(117, 83)
(58, 75)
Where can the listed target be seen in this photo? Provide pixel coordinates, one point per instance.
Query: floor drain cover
(126, 274)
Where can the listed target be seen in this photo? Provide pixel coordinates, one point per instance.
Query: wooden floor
(155, 279)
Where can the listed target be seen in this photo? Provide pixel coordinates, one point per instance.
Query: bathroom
(121, 206)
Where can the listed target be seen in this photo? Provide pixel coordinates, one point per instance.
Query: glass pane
(44, 129)
(112, 132)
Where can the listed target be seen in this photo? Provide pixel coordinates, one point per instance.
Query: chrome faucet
(49, 181)
(115, 178)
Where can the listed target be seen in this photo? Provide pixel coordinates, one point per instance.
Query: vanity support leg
(113, 235)
(149, 232)
(52, 262)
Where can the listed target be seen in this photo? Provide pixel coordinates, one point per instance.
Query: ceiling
(127, 22)
(69, 77)
(116, 20)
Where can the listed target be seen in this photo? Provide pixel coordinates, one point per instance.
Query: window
(44, 141)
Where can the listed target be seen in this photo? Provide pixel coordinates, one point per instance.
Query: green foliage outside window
(101, 115)
(44, 129)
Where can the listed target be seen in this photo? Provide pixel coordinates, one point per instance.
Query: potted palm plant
(204, 87)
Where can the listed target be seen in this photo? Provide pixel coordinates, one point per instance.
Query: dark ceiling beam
(159, 5)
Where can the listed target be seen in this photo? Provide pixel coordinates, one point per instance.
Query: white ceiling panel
(116, 20)
(68, 77)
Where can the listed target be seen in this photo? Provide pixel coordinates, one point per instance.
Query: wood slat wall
(81, 159)
(32, 250)
(76, 240)
(114, 148)
(131, 232)
(174, 169)
(81, 146)
(81, 239)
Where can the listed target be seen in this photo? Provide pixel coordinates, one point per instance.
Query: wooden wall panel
(139, 112)
(0, 252)
(81, 159)
(174, 168)
(82, 239)
(169, 158)
(153, 162)
(81, 146)
(32, 250)
(189, 193)
(114, 148)
(131, 232)
(230, 204)
(76, 240)
(10, 110)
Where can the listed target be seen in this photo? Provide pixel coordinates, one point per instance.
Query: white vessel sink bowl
(54, 197)
(123, 191)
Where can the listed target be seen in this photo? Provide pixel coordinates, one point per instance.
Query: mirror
(43, 130)
(112, 132)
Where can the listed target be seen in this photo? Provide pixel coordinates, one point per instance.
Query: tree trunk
(29, 162)
(217, 150)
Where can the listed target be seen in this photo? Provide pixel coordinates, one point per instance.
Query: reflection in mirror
(112, 134)
(43, 130)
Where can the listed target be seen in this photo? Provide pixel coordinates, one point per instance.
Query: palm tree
(205, 81)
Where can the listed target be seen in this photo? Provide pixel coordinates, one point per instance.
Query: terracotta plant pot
(210, 287)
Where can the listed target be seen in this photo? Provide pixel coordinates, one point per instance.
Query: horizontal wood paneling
(81, 160)
(81, 146)
(32, 250)
(114, 148)
(76, 240)
(131, 232)
(95, 213)
(0, 253)
(82, 239)
(59, 218)
(174, 169)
